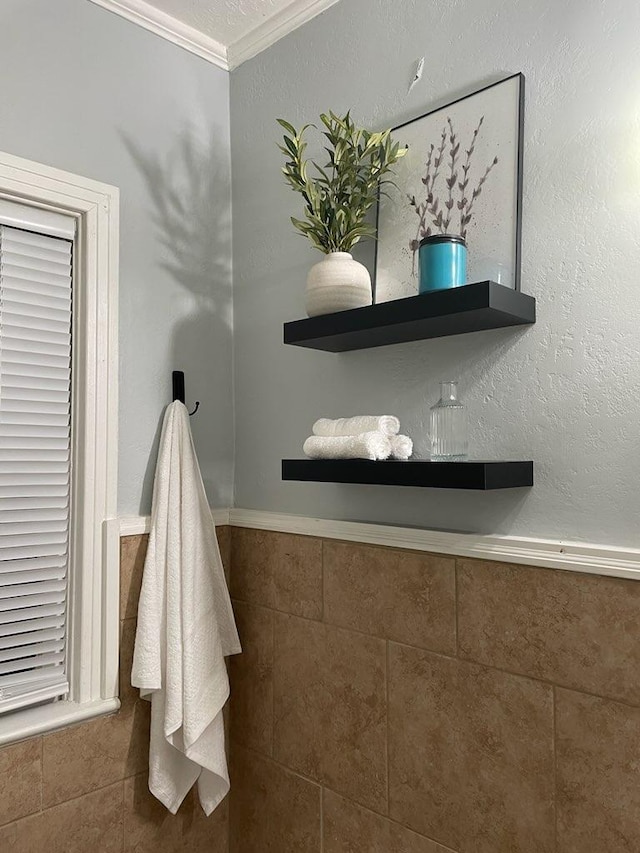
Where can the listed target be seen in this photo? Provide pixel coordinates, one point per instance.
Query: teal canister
(443, 262)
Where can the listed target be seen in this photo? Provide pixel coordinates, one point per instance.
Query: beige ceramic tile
(272, 810)
(348, 828)
(133, 550)
(82, 758)
(251, 676)
(400, 595)
(132, 723)
(277, 570)
(150, 828)
(470, 754)
(199, 833)
(330, 707)
(20, 779)
(597, 749)
(128, 694)
(251, 569)
(90, 824)
(577, 630)
(223, 534)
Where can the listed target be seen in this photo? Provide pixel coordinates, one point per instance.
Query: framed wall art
(461, 178)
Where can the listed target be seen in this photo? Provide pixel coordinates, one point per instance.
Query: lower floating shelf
(477, 475)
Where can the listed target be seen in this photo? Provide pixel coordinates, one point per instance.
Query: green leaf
(290, 146)
(338, 197)
(288, 127)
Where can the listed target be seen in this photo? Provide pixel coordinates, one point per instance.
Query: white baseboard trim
(546, 553)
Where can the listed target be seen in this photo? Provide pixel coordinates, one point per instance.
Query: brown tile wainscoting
(392, 701)
(387, 701)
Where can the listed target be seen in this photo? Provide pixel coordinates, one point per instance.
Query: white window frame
(93, 599)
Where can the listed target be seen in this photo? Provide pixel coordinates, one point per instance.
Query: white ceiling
(226, 32)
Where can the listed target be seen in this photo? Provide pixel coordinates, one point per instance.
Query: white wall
(87, 91)
(565, 392)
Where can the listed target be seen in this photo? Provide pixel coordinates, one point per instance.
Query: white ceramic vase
(337, 283)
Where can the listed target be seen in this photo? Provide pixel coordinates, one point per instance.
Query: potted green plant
(337, 199)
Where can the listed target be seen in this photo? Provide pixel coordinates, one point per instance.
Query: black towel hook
(177, 379)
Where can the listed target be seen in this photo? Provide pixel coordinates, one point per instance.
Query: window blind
(35, 458)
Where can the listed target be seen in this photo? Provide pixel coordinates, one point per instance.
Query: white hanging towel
(185, 629)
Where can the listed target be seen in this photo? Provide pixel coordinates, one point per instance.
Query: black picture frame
(519, 152)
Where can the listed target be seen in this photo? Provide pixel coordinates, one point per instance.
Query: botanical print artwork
(455, 213)
(460, 176)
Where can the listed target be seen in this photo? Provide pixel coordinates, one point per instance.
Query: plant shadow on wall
(190, 198)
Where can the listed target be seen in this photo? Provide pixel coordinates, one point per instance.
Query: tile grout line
(41, 774)
(456, 604)
(338, 627)
(386, 672)
(273, 685)
(536, 679)
(554, 684)
(123, 819)
(555, 769)
(43, 811)
(322, 581)
(389, 819)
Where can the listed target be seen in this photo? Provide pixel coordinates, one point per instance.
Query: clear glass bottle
(448, 426)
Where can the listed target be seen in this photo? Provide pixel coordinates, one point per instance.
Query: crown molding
(147, 16)
(263, 36)
(274, 28)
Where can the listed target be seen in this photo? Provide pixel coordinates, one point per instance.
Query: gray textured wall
(87, 91)
(565, 392)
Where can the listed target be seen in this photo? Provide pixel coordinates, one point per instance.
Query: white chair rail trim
(135, 525)
(546, 553)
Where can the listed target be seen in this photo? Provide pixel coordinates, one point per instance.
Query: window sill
(47, 718)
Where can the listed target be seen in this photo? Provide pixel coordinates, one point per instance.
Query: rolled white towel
(386, 424)
(401, 447)
(368, 445)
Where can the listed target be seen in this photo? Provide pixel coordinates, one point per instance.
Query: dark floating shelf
(472, 308)
(478, 475)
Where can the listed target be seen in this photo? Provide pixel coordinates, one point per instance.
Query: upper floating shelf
(472, 308)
